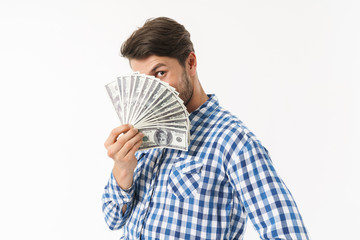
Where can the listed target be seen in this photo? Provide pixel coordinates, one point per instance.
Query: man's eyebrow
(156, 67)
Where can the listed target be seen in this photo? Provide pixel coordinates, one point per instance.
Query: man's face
(168, 70)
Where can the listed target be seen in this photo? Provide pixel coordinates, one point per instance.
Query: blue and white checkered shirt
(208, 192)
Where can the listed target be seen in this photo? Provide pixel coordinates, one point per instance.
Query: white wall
(288, 69)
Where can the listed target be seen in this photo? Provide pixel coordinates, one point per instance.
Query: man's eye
(159, 74)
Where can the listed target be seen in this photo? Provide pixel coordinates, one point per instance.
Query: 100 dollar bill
(164, 137)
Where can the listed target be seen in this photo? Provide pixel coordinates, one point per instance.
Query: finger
(115, 134)
(121, 142)
(113, 150)
(129, 145)
(135, 148)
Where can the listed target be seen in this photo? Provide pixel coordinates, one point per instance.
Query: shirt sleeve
(113, 200)
(266, 199)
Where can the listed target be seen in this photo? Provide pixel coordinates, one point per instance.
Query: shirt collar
(204, 111)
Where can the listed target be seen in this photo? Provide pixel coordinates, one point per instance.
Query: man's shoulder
(228, 122)
(230, 128)
(233, 137)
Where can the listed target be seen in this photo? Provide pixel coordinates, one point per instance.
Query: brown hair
(159, 36)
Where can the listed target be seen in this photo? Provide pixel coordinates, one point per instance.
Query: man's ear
(191, 64)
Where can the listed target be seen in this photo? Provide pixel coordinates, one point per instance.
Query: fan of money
(153, 107)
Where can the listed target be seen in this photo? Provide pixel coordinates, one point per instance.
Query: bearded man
(208, 192)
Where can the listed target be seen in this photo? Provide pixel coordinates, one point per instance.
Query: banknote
(113, 91)
(152, 106)
(164, 137)
(168, 123)
(163, 103)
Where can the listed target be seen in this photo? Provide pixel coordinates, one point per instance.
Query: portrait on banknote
(163, 137)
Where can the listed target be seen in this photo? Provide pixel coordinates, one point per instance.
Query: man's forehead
(149, 64)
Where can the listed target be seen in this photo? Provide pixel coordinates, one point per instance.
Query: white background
(288, 69)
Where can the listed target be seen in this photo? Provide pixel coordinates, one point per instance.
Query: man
(207, 192)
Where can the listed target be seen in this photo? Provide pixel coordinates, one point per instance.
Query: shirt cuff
(120, 196)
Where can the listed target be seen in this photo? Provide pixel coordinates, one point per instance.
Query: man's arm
(116, 204)
(121, 145)
(267, 200)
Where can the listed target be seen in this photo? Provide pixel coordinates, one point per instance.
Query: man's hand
(121, 145)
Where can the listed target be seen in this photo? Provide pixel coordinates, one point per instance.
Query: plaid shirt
(207, 192)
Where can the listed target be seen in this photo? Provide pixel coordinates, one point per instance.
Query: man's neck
(198, 98)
